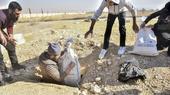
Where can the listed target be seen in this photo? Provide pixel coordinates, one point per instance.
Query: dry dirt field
(101, 77)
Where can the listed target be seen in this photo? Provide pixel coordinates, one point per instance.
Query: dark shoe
(2, 83)
(18, 67)
(2, 80)
(8, 78)
(168, 52)
(160, 47)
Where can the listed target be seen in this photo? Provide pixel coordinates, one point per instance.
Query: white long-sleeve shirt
(115, 9)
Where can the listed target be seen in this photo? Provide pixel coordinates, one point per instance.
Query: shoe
(160, 47)
(2, 79)
(121, 50)
(8, 77)
(2, 83)
(18, 67)
(102, 53)
(168, 52)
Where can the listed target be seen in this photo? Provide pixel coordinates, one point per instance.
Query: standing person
(161, 27)
(7, 19)
(116, 8)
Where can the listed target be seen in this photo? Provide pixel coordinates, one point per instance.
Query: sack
(69, 56)
(145, 43)
(130, 70)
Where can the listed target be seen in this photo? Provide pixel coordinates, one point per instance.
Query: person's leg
(2, 74)
(122, 29)
(2, 69)
(168, 52)
(13, 57)
(110, 20)
(160, 41)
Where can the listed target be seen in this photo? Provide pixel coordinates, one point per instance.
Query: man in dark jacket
(162, 27)
(7, 19)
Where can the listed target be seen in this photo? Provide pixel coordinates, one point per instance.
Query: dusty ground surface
(100, 77)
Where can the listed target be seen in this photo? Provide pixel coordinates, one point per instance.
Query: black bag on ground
(130, 70)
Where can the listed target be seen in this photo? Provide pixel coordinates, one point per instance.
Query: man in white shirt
(116, 8)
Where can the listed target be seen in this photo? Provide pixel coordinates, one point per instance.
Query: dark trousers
(11, 53)
(169, 49)
(161, 41)
(122, 29)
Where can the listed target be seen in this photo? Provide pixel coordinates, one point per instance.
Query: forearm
(92, 24)
(10, 29)
(1, 33)
(154, 15)
(134, 19)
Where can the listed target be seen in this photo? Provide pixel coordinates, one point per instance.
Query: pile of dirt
(104, 74)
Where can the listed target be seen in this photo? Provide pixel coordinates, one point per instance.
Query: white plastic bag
(145, 43)
(69, 56)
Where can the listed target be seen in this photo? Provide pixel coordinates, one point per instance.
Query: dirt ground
(100, 77)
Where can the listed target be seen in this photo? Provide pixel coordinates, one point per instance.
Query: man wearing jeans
(116, 8)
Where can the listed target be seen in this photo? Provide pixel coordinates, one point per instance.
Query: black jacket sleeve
(154, 15)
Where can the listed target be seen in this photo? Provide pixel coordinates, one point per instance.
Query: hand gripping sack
(145, 43)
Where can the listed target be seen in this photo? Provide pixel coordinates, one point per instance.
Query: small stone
(61, 37)
(86, 85)
(76, 22)
(96, 89)
(109, 62)
(17, 73)
(98, 79)
(105, 89)
(110, 93)
(82, 43)
(84, 92)
(158, 77)
(78, 36)
(99, 62)
(97, 44)
(52, 32)
(157, 91)
(99, 68)
(154, 86)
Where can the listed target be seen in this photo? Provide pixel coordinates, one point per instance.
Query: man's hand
(93, 21)
(135, 28)
(11, 39)
(87, 34)
(142, 25)
(3, 39)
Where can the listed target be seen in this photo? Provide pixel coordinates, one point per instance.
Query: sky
(76, 5)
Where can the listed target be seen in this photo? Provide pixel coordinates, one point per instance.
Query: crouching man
(59, 66)
(161, 27)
